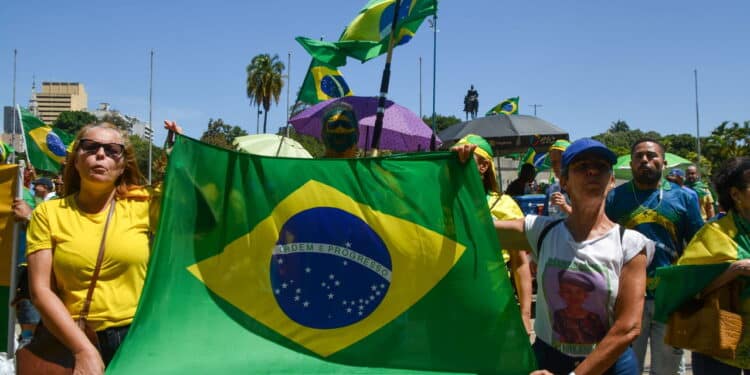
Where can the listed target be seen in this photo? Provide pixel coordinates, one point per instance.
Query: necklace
(659, 197)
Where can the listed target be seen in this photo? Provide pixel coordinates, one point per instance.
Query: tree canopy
(73, 121)
(441, 122)
(220, 134)
(727, 140)
(264, 82)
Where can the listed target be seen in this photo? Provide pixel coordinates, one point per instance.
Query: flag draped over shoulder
(8, 181)
(45, 146)
(351, 266)
(709, 254)
(321, 83)
(508, 106)
(368, 35)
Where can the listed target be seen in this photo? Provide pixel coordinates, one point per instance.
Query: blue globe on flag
(329, 269)
(334, 86)
(386, 18)
(55, 144)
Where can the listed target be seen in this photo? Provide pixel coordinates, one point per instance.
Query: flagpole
(13, 135)
(288, 86)
(150, 110)
(433, 139)
(384, 84)
(420, 87)
(23, 136)
(697, 120)
(11, 339)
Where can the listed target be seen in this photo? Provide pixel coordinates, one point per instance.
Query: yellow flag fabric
(8, 180)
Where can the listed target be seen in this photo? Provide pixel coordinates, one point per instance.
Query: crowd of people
(593, 257)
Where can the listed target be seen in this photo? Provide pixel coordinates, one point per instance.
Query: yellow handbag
(711, 325)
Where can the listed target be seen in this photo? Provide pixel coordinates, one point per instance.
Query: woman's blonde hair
(131, 176)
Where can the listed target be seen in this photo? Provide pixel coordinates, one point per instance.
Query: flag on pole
(337, 268)
(45, 148)
(8, 182)
(321, 83)
(5, 151)
(508, 106)
(325, 52)
(368, 35)
(527, 158)
(542, 162)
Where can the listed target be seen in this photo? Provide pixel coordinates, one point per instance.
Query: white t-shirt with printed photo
(578, 282)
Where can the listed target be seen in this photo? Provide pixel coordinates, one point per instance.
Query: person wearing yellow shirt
(64, 236)
(503, 207)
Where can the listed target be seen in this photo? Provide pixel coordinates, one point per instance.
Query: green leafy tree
(619, 137)
(264, 82)
(681, 144)
(119, 121)
(140, 146)
(728, 140)
(441, 122)
(314, 146)
(619, 126)
(220, 134)
(72, 121)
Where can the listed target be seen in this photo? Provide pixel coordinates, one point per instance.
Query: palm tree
(264, 82)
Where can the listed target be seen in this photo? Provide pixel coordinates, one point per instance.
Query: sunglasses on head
(113, 150)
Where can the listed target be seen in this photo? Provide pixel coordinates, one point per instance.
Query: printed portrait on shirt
(577, 301)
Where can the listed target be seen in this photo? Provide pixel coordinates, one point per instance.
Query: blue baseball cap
(677, 172)
(587, 146)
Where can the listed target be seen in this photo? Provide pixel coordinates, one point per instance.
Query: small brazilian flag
(368, 35)
(345, 266)
(527, 158)
(321, 83)
(6, 150)
(45, 146)
(508, 106)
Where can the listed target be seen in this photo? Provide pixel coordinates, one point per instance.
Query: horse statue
(471, 103)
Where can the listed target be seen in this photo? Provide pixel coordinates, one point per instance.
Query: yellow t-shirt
(505, 209)
(707, 199)
(75, 237)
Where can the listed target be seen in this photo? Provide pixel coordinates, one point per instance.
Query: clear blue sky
(587, 62)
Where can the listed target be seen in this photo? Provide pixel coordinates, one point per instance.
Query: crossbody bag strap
(95, 276)
(543, 234)
(495, 202)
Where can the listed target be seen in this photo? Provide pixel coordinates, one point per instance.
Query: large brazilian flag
(334, 266)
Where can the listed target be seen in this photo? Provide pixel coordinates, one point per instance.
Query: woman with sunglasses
(64, 237)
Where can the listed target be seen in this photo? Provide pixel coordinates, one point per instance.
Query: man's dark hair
(652, 140)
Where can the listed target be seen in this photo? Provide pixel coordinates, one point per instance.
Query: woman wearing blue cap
(591, 271)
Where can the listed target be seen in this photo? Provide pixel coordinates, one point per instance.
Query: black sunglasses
(113, 150)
